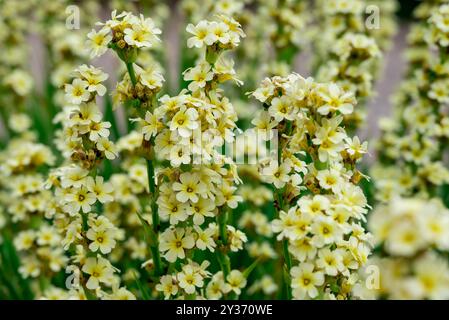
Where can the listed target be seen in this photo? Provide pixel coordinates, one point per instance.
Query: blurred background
(379, 105)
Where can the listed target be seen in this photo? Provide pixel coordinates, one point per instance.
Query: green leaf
(149, 234)
(143, 290)
(110, 116)
(89, 294)
(253, 265)
(17, 287)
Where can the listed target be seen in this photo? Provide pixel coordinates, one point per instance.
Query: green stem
(156, 260)
(52, 110)
(288, 260)
(225, 263)
(286, 271)
(85, 220)
(222, 220)
(155, 217)
(153, 196)
(286, 254)
(131, 72)
(223, 258)
(110, 116)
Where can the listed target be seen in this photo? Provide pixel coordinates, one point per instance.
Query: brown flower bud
(356, 177)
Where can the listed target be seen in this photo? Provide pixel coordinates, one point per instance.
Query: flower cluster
(195, 12)
(184, 132)
(417, 51)
(63, 48)
(407, 226)
(20, 162)
(80, 191)
(23, 201)
(411, 145)
(26, 204)
(41, 251)
(188, 131)
(16, 82)
(124, 33)
(287, 21)
(192, 278)
(128, 35)
(86, 135)
(409, 230)
(218, 35)
(319, 204)
(381, 23)
(275, 34)
(352, 58)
